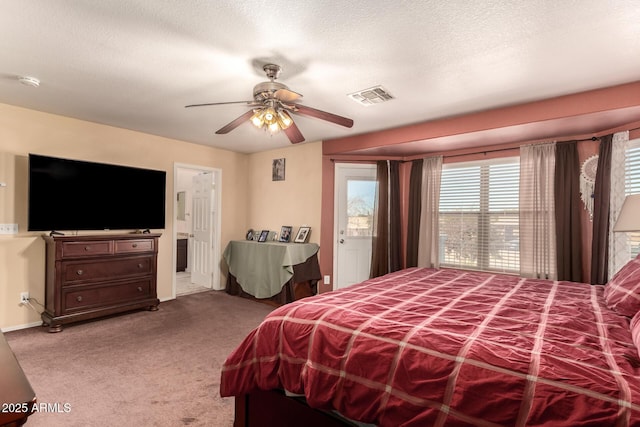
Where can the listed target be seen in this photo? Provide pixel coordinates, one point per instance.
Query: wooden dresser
(98, 275)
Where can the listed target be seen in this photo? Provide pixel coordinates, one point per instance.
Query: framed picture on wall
(277, 171)
(303, 235)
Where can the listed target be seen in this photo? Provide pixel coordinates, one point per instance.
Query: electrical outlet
(327, 280)
(24, 297)
(8, 228)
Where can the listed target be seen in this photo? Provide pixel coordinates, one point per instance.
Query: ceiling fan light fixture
(257, 119)
(274, 127)
(271, 119)
(284, 119)
(270, 115)
(275, 102)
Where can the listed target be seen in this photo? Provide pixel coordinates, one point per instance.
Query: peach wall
(295, 201)
(25, 131)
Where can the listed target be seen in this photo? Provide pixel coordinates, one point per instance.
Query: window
(632, 186)
(479, 215)
(360, 204)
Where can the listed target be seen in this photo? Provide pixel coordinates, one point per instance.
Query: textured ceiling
(135, 64)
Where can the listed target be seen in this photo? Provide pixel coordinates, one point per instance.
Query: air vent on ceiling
(373, 95)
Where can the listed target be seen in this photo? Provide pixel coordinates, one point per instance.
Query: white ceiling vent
(373, 95)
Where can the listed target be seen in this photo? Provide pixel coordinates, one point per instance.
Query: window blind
(632, 168)
(479, 215)
(632, 186)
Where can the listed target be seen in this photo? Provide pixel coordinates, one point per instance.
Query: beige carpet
(140, 369)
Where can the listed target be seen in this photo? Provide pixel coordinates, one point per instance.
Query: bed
(432, 347)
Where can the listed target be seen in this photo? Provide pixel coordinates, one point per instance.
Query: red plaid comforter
(424, 347)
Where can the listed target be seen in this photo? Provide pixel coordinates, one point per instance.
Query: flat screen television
(69, 195)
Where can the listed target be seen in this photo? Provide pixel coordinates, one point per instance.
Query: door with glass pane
(355, 194)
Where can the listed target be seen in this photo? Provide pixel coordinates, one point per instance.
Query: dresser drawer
(80, 271)
(86, 248)
(129, 246)
(75, 299)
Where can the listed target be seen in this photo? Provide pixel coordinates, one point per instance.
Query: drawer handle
(79, 298)
(139, 288)
(135, 245)
(87, 248)
(79, 272)
(140, 265)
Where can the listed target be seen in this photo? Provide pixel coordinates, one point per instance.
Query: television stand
(92, 276)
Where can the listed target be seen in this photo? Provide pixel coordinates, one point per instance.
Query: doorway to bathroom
(196, 229)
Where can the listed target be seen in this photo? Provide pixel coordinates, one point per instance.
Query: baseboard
(18, 327)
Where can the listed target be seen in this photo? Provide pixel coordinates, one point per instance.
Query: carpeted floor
(139, 369)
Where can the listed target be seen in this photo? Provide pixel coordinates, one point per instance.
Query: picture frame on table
(263, 236)
(303, 234)
(285, 233)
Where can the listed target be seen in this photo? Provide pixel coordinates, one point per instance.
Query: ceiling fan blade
(286, 95)
(234, 124)
(294, 134)
(220, 103)
(323, 115)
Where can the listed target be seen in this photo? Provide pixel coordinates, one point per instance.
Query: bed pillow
(622, 292)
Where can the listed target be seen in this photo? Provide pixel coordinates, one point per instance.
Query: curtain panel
(618, 244)
(386, 241)
(429, 235)
(395, 218)
(413, 217)
(567, 203)
(601, 205)
(537, 211)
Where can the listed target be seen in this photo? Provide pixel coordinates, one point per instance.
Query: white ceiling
(135, 64)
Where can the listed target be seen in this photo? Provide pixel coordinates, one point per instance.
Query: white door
(202, 223)
(355, 189)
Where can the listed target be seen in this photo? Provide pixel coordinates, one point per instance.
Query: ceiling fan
(273, 103)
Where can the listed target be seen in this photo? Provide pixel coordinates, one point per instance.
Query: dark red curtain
(395, 218)
(568, 205)
(602, 191)
(415, 205)
(386, 249)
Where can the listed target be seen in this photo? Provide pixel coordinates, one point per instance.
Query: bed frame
(269, 408)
